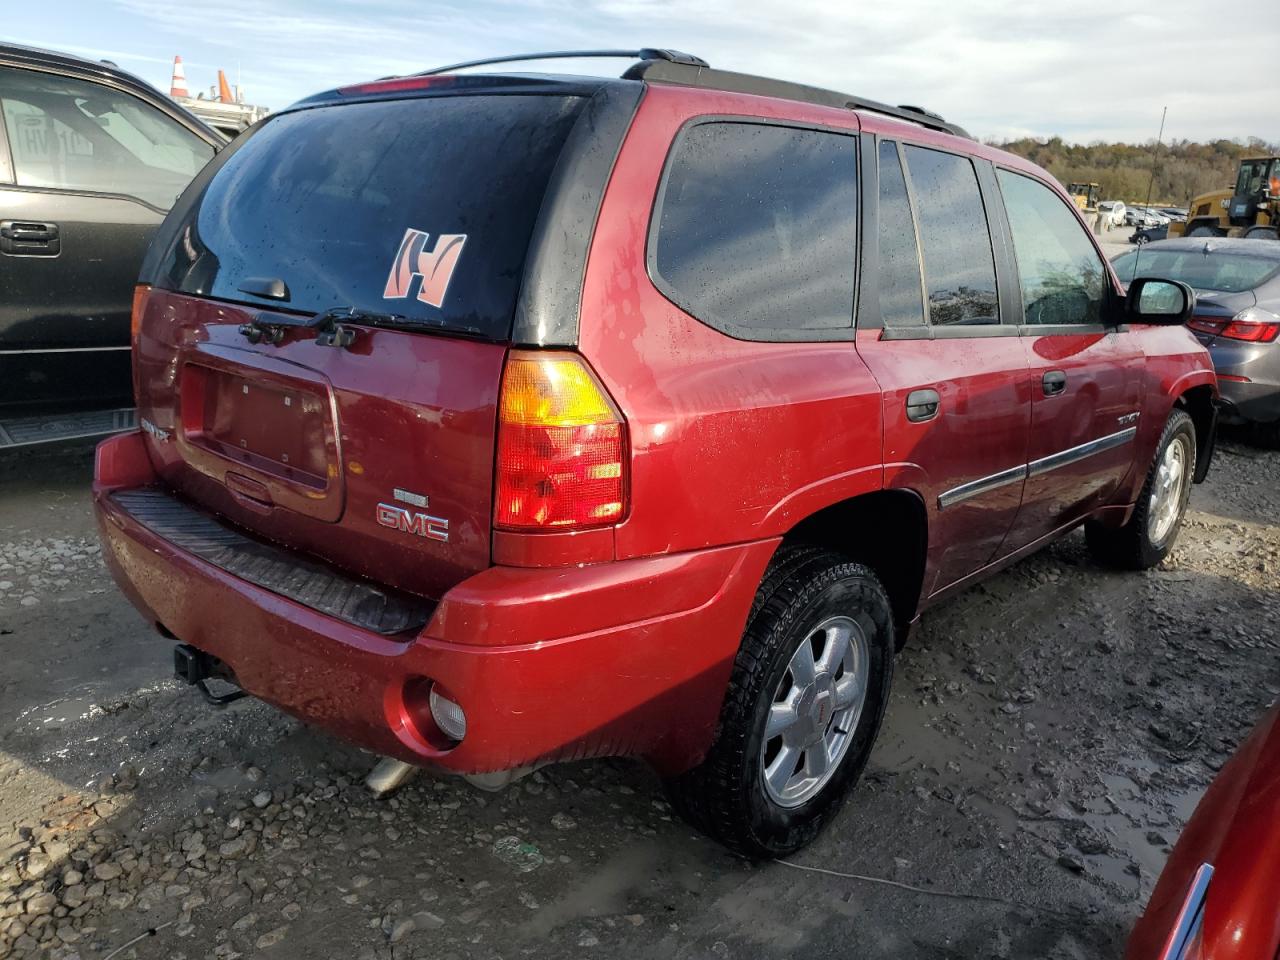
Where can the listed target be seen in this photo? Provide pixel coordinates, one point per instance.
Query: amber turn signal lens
(140, 294)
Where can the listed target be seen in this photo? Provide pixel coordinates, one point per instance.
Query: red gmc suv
(493, 420)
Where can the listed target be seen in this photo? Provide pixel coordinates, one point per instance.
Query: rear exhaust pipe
(196, 668)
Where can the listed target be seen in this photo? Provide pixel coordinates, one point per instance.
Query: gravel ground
(1049, 734)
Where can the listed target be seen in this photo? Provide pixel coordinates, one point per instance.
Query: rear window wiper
(331, 325)
(395, 321)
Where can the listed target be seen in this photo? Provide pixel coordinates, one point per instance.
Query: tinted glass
(959, 269)
(420, 207)
(1223, 272)
(758, 226)
(1060, 271)
(76, 135)
(901, 304)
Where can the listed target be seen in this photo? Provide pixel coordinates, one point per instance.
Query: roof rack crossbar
(644, 53)
(674, 72)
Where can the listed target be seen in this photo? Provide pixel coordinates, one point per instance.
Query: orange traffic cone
(224, 89)
(178, 85)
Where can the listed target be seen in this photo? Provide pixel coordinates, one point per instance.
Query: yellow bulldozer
(1084, 194)
(1251, 209)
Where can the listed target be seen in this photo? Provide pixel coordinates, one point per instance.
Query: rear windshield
(1225, 272)
(421, 208)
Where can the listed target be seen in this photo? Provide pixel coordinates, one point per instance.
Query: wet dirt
(1050, 732)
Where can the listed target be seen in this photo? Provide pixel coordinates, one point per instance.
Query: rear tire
(799, 695)
(1262, 233)
(1152, 530)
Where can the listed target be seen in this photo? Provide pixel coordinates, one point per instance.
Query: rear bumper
(1249, 402)
(1258, 399)
(623, 658)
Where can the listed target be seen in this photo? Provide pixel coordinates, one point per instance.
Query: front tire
(805, 700)
(1152, 530)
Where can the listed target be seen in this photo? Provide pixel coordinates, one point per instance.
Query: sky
(1086, 70)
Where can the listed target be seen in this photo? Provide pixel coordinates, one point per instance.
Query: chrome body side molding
(973, 488)
(1075, 454)
(1036, 468)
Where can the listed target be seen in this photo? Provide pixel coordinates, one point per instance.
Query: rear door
(369, 445)
(952, 372)
(92, 171)
(1085, 371)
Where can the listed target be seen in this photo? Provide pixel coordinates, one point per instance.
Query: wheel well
(889, 532)
(1198, 402)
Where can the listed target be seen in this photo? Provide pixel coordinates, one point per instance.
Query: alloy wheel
(815, 711)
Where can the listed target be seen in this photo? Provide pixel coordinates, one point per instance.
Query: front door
(1085, 371)
(953, 376)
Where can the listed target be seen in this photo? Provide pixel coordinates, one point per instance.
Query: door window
(76, 135)
(901, 304)
(1061, 274)
(959, 267)
(757, 228)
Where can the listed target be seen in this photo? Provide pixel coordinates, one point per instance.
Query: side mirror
(1167, 303)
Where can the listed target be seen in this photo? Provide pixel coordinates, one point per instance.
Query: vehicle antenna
(1155, 158)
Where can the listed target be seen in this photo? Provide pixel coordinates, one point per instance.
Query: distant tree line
(1183, 169)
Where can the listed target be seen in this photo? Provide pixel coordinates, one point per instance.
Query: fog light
(448, 716)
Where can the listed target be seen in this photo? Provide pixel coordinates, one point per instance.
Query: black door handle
(922, 405)
(25, 238)
(1053, 383)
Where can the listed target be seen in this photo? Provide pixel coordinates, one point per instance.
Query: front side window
(71, 134)
(757, 228)
(1061, 274)
(959, 267)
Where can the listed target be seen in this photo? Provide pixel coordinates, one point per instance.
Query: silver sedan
(1237, 315)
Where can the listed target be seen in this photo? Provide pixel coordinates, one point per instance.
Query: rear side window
(959, 268)
(1060, 271)
(757, 229)
(422, 208)
(899, 279)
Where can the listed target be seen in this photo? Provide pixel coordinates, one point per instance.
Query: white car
(1112, 212)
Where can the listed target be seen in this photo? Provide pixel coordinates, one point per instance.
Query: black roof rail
(694, 75)
(675, 67)
(644, 53)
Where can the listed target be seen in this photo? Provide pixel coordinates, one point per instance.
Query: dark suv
(91, 160)
(489, 421)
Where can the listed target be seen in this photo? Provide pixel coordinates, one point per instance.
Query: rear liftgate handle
(922, 405)
(1053, 383)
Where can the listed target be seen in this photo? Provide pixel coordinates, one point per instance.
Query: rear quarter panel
(731, 440)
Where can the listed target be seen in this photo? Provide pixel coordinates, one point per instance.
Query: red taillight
(1250, 325)
(1250, 331)
(1209, 325)
(561, 447)
(140, 294)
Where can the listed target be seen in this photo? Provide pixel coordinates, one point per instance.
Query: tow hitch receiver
(197, 668)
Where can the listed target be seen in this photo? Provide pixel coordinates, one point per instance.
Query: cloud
(1087, 70)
